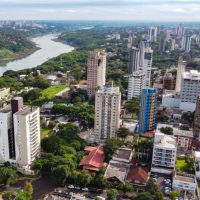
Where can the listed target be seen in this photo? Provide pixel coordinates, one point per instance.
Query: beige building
(4, 92)
(196, 125)
(107, 112)
(96, 71)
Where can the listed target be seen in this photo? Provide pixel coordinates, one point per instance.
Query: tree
(23, 196)
(32, 95)
(28, 188)
(60, 173)
(151, 187)
(112, 194)
(84, 178)
(8, 195)
(174, 194)
(167, 130)
(158, 196)
(133, 106)
(122, 132)
(8, 174)
(127, 187)
(143, 196)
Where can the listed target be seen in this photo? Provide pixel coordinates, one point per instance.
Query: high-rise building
(172, 44)
(196, 125)
(136, 82)
(20, 134)
(164, 152)
(96, 71)
(162, 44)
(143, 45)
(190, 89)
(152, 33)
(181, 68)
(107, 112)
(147, 114)
(148, 56)
(180, 30)
(186, 43)
(134, 59)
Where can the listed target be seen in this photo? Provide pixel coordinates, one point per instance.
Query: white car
(71, 187)
(85, 189)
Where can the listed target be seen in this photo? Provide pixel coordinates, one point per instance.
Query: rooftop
(109, 90)
(183, 133)
(192, 74)
(26, 110)
(164, 141)
(185, 178)
(123, 153)
(6, 109)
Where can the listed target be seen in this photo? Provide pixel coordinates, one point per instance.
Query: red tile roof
(94, 160)
(138, 174)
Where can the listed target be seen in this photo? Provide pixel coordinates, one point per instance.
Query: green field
(180, 164)
(51, 92)
(5, 53)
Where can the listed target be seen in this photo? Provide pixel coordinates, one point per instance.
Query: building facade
(147, 114)
(107, 112)
(143, 45)
(152, 33)
(169, 82)
(148, 56)
(180, 30)
(134, 59)
(181, 68)
(186, 43)
(136, 82)
(164, 151)
(196, 125)
(96, 71)
(190, 89)
(20, 134)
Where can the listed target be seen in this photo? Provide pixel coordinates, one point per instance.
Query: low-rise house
(184, 139)
(184, 182)
(47, 106)
(123, 154)
(94, 161)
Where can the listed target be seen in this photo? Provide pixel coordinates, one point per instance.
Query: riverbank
(19, 55)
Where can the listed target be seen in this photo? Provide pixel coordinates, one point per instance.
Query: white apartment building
(147, 64)
(152, 33)
(143, 46)
(107, 112)
(164, 152)
(181, 68)
(186, 43)
(190, 89)
(19, 135)
(96, 71)
(136, 82)
(134, 60)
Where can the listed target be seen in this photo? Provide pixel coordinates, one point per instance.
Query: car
(71, 187)
(71, 193)
(84, 189)
(77, 188)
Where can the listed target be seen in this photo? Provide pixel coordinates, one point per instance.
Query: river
(48, 49)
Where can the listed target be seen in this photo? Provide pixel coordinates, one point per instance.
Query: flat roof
(105, 89)
(26, 110)
(185, 178)
(6, 109)
(183, 133)
(123, 153)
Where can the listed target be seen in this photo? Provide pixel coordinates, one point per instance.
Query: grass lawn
(45, 132)
(180, 164)
(51, 92)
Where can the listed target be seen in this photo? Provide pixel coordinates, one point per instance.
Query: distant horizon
(106, 10)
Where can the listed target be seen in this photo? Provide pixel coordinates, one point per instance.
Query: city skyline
(132, 10)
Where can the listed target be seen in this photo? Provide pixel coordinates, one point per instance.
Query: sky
(131, 10)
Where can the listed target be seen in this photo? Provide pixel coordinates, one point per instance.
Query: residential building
(186, 43)
(170, 99)
(184, 139)
(136, 82)
(197, 164)
(20, 134)
(147, 114)
(181, 68)
(96, 71)
(172, 44)
(169, 82)
(162, 44)
(134, 60)
(152, 33)
(143, 45)
(190, 89)
(180, 30)
(184, 182)
(94, 161)
(164, 153)
(147, 64)
(107, 112)
(196, 124)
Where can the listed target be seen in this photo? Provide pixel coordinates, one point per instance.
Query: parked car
(71, 187)
(84, 189)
